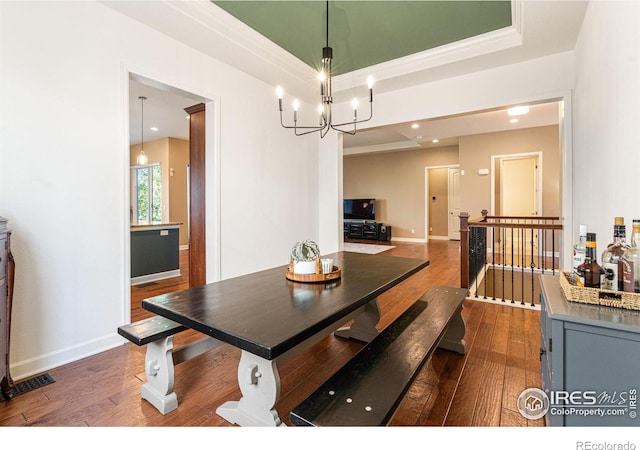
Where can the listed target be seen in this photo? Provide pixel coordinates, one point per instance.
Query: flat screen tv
(359, 209)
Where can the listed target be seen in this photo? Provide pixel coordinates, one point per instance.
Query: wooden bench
(161, 358)
(369, 388)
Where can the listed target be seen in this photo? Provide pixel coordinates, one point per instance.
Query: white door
(454, 204)
(519, 187)
(519, 197)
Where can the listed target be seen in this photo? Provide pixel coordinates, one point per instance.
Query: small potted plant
(305, 257)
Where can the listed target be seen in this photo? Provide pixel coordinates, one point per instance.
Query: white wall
(536, 79)
(64, 178)
(607, 116)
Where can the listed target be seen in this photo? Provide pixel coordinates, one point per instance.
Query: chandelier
(142, 159)
(326, 100)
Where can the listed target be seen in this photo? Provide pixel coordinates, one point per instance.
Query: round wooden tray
(314, 277)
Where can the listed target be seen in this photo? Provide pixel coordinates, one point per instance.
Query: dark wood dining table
(271, 319)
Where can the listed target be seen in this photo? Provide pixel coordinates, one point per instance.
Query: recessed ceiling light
(418, 137)
(435, 141)
(518, 110)
(513, 121)
(154, 128)
(415, 125)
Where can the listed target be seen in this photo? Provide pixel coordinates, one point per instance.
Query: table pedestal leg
(453, 338)
(158, 362)
(363, 327)
(260, 386)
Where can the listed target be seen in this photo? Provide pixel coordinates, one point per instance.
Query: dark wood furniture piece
(374, 231)
(272, 319)
(369, 388)
(7, 274)
(150, 330)
(591, 353)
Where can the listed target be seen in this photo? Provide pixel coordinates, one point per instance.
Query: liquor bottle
(590, 272)
(579, 249)
(611, 258)
(631, 261)
(616, 221)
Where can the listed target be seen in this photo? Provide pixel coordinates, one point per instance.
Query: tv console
(367, 230)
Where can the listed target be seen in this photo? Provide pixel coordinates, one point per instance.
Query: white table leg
(260, 386)
(363, 327)
(158, 364)
(453, 338)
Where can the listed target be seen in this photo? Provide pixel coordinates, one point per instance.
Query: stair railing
(500, 256)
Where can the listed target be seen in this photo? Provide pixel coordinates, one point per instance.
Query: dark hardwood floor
(478, 389)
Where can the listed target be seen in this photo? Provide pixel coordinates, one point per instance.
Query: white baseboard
(499, 302)
(155, 277)
(34, 366)
(414, 240)
(438, 238)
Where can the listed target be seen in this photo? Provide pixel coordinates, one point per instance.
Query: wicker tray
(592, 296)
(317, 277)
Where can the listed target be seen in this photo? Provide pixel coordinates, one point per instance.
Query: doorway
(518, 185)
(442, 206)
(517, 192)
(166, 132)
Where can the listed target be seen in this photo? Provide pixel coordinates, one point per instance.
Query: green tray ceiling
(364, 33)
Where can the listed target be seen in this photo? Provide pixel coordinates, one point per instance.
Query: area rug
(372, 249)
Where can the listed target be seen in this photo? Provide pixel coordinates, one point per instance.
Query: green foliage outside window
(149, 193)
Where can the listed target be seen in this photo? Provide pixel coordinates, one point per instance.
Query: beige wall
(396, 179)
(170, 153)
(476, 152)
(178, 205)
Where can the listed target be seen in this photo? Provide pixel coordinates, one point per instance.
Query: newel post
(464, 249)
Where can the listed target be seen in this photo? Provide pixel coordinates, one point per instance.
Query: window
(146, 192)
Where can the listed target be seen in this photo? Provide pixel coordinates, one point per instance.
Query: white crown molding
(226, 27)
(209, 29)
(483, 44)
(392, 146)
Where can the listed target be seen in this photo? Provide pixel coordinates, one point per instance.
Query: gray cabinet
(155, 252)
(6, 294)
(590, 359)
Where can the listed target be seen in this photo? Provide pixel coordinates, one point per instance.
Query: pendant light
(326, 100)
(142, 158)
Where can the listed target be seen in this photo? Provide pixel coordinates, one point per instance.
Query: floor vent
(30, 385)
